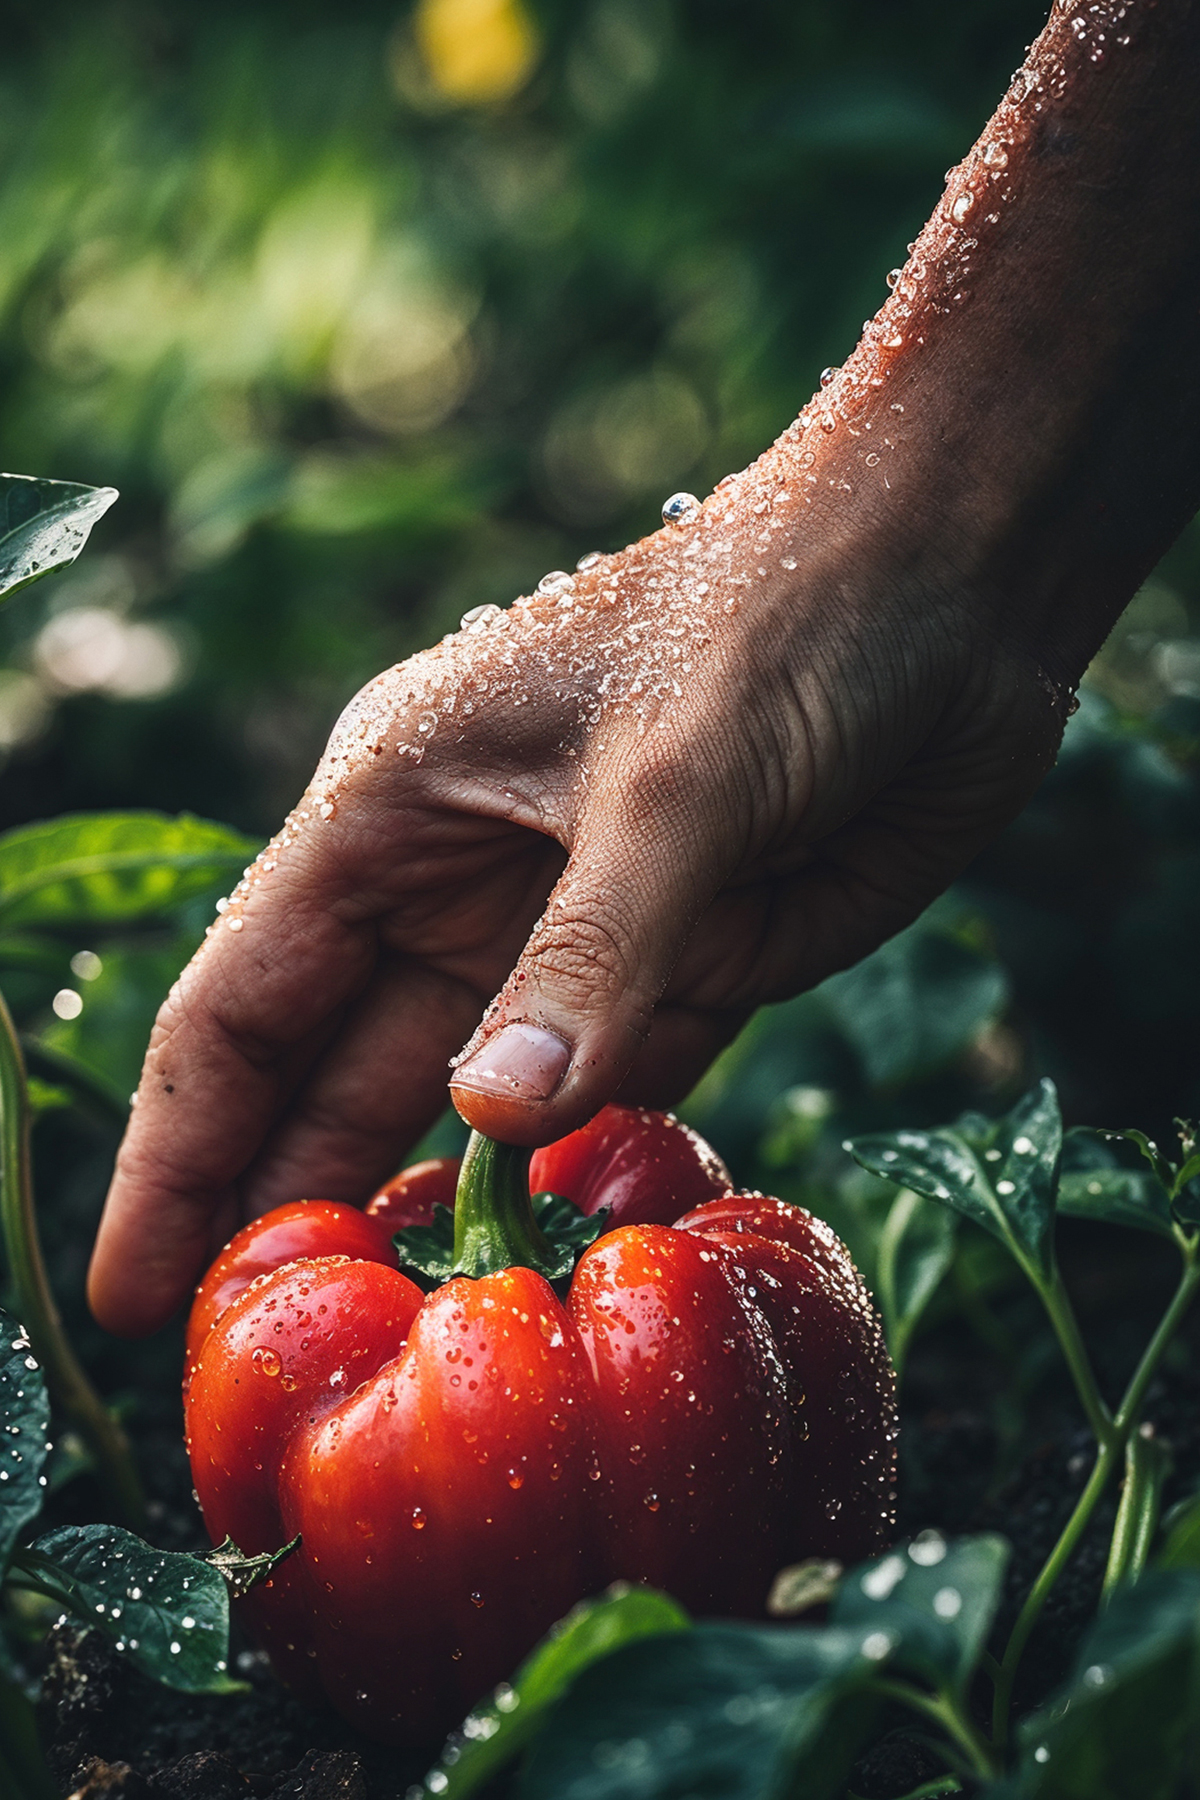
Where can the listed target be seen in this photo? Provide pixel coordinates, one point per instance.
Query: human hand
(710, 770)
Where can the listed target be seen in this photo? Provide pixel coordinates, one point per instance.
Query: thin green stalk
(1112, 1448)
(944, 1709)
(1137, 1515)
(1135, 1393)
(1055, 1299)
(69, 1387)
(1051, 1569)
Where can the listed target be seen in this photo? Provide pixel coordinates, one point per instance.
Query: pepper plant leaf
(108, 869)
(935, 1600)
(915, 1249)
(242, 1572)
(1001, 1173)
(1122, 1723)
(1116, 1197)
(494, 1733)
(43, 526)
(1182, 1547)
(740, 1711)
(167, 1611)
(24, 1421)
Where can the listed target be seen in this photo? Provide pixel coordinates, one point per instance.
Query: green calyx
(497, 1224)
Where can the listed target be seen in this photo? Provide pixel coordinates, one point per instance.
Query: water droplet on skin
(476, 1599)
(893, 276)
(589, 561)
(266, 1362)
(827, 376)
(427, 724)
(327, 809)
(962, 206)
(556, 582)
(418, 1519)
(515, 1478)
(236, 924)
(678, 508)
(480, 616)
(995, 156)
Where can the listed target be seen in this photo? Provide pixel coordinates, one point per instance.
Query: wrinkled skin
(739, 754)
(710, 1402)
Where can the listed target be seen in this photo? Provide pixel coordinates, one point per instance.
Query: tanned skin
(740, 754)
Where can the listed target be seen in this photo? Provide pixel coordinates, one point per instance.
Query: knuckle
(583, 956)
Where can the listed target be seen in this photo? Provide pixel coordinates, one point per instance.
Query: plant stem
(1135, 1393)
(68, 1386)
(1137, 1514)
(1055, 1299)
(944, 1709)
(494, 1226)
(1112, 1442)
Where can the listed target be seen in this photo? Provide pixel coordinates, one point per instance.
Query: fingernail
(522, 1062)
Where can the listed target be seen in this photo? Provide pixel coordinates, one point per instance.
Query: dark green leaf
(429, 1249)
(24, 1422)
(1116, 1197)
(916, 1248)
(1121, 1724)
(105, 869)
(934, 1600)
(23, 1771)
(168, 1612)
(915, 1003)
(739, 1712)
(43, 526)
(1000, 1173)
(1164, 1169)
(243, 1573)
(494, 1733)
(1182, 1547)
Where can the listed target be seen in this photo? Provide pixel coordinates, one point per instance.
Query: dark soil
(991, 1440)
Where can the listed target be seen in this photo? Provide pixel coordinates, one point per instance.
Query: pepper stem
(494, 1226)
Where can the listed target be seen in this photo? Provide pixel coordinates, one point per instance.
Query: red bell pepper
(711, 1400)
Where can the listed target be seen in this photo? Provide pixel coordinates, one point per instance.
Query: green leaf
(1182, 1547)
(1121, 1725)
(1116, 1197)
(244, 1573)
(168, 1612)
(106, 869)
(935, 1600)
(915, 1003)
(915, 1249)
(24, 1422)
(23, 1771)
(743, 1712)
(1002, 1173)
(43, 526)
(500, 1727)
(1164, 1169)
(428, 1250)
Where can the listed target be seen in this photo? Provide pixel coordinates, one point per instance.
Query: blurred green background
(375, 313)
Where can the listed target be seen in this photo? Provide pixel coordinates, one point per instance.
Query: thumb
(560, 1037)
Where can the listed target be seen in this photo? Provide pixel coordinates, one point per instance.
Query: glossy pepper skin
(710, 1401)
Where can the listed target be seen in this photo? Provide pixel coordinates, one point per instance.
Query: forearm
(1023, 414)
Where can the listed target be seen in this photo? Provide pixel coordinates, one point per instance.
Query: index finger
(238, 1030)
